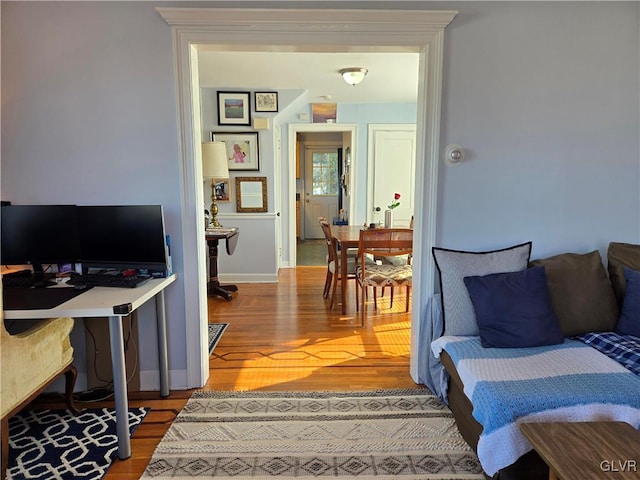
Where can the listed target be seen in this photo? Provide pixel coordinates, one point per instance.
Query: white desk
(116, 303)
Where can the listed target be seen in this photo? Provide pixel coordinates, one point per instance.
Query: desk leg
(120, 387)
(343, 278)
(163, 357)
(214, 286)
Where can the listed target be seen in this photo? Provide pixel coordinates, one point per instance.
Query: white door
(321, 187)
(392, 154)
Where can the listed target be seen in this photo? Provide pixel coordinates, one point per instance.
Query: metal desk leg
(163, 357)
(120, 387)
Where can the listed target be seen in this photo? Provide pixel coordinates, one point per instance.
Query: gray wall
(544, 96)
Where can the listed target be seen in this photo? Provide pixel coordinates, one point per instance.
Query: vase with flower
(388, 214)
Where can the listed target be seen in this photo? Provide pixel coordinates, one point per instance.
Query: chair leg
(375, 298)
(363, 305)
(71, 376)
(327, 284)
(391, 303)
(408, 295)
(333, 291)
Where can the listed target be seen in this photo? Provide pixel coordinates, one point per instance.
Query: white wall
(544, 96)
(89, 117)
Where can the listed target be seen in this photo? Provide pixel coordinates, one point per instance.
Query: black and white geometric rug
(385, 434)
(56, 444)
(215, 334)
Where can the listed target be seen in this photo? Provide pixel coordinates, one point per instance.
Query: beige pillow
(581, 295)
(621, 255)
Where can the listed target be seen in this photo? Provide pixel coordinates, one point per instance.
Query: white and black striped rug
(390, 434)
(58, 445)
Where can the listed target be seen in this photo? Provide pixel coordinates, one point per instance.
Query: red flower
(396, 196)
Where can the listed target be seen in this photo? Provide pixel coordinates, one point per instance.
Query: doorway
(419, 31)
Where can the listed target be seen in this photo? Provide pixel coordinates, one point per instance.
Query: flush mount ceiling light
(353, 75)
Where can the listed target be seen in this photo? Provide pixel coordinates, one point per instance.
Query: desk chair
(383, 243)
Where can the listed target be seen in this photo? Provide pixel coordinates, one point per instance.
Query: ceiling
(392, 77)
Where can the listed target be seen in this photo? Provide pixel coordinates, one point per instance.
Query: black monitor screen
(39, 234)
(131, 236)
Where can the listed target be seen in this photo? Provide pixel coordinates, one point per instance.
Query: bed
(591, 372)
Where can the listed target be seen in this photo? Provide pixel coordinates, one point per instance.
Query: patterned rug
(215, 334)
(56, 444)
(386, 434)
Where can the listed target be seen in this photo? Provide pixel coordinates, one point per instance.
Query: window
(325, 173)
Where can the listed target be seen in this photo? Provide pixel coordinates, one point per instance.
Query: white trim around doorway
(420, 31)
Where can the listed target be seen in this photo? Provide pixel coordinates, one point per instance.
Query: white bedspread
(571, 382)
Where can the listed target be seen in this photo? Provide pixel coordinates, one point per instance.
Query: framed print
(242, 149)
(266, 101)
(234, 108)
(251, 194)
(324, 112)
(222, 190)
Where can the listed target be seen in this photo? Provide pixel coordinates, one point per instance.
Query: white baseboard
(249, 278)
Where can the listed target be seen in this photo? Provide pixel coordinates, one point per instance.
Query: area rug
(215, 334)
(386, 434)
(56, 444)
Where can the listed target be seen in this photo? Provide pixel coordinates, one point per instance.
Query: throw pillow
(581, 294)
(621, 255)
(629, 323)
(514, 309)
(453, 265)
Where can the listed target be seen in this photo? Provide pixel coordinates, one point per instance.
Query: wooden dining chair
(333, 264)
(383, 243)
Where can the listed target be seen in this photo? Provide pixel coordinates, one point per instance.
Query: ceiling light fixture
(353, 75)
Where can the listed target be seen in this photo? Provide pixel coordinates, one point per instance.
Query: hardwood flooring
(284, 337)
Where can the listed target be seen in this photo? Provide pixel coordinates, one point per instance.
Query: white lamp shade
(353, 75)
(214, 160)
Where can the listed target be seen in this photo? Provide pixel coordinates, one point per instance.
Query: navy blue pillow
(629, 322)
(514, 309)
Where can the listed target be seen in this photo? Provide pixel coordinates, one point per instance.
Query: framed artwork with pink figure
(242, 149)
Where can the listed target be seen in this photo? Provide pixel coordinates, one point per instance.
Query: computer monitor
(39, 234)
(123, 236)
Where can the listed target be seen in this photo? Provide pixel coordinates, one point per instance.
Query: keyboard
(102, 280)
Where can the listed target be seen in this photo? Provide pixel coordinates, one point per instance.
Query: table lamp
(214, 166)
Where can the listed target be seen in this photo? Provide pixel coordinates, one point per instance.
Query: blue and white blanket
(570, 382)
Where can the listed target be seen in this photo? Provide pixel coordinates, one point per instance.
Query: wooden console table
(586, 450)
(213, 236)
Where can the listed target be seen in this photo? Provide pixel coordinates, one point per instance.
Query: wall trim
(419, 31)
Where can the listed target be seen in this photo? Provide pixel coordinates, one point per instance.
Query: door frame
(421, 31)
(294, 129)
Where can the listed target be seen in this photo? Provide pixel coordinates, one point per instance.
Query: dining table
(347, 236)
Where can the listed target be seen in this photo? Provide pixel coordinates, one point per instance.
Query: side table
(213, 236)
(586, 450)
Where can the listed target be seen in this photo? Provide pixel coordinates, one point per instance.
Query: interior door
(321, 187)
(392, 170)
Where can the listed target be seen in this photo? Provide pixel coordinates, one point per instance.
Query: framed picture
(234, 108)
(251, 194)
(324, 112)
(222, 190)
(266, 101)
(242, 149)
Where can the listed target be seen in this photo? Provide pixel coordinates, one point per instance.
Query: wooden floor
(284, 337)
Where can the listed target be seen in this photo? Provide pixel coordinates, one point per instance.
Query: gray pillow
(453, 265)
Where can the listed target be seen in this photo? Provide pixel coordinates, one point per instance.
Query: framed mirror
(251, 194)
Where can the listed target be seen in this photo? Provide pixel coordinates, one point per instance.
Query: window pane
(325, 173)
